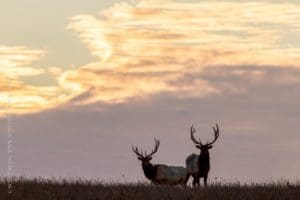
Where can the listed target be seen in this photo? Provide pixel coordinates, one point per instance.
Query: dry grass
(40, 189)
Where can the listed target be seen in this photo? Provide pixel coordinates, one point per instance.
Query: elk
(198, 166)
(159, 173)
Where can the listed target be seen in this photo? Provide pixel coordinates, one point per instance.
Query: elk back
(170, 174)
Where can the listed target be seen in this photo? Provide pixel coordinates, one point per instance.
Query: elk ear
(150, 158)
(140, 158)
(210, 146)
(198, 146)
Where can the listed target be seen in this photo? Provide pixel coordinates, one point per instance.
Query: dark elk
(198, 166)
(160, 174)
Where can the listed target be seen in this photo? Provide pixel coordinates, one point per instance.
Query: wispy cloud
(14, 61)
(148, 47)
(145, 46)
(21, 97)
(212, 31)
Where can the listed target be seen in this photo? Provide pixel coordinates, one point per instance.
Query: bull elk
(198, 166)
(160, 174)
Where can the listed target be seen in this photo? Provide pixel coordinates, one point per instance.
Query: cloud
(18, 96)
(149, 47)
(93, 35)
(55, 71)
(14, 61)
(146, 47)
(211, 32)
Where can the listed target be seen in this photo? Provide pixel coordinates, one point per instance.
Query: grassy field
(85, 190)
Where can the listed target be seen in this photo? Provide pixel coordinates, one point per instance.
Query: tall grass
(45, 189)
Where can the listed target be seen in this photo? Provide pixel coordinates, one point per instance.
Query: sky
(83, 81)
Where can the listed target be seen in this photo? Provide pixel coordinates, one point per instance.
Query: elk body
(160, 174)
(198, 166)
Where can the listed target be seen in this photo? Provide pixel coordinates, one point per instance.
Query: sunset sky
(84, 80)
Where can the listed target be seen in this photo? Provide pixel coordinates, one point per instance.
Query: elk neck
(203, 159)
(149, 170)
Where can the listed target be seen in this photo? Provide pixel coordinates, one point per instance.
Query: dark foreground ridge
(41, 189)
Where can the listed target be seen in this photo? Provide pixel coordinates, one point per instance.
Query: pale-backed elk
(160, 174)
(198, 166)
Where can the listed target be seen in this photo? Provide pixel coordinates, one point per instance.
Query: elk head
(143, 156)
(204, 147)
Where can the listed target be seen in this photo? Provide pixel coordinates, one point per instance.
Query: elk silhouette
(160, 174)
(198, 166)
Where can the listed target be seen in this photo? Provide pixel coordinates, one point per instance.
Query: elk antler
(136, 151)
(193, 130)
(157, 143)
(216, 131)
(141, 154)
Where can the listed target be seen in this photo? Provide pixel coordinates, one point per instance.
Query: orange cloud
(148, 47)
(17, 96)
(14, 61)
(144, 47)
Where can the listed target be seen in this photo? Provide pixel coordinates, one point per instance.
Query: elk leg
(205, 181)
(198, 181)
(194, 182)
(186, 178)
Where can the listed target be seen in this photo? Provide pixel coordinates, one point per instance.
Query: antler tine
(132, 147)
(136, 151)
(157, 143)
(193, 130)
(217, 133)
(216, 130)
